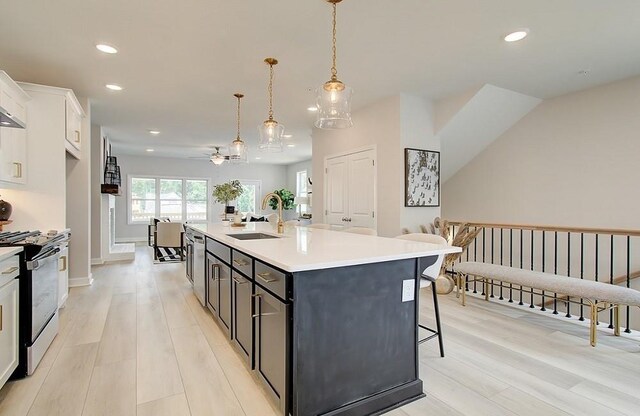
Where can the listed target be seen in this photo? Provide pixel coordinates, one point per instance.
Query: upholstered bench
(600, 296)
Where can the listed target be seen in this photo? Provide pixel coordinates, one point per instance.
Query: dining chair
(428, 278)
(361, 230)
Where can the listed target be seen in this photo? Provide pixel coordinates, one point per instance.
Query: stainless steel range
(38, 283)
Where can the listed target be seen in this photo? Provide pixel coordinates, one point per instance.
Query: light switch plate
(408, 290)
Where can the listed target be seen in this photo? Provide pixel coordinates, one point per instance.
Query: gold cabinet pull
(265, 277)
(11, 270)
(241, 262)
(238, 281)
(18, 172)
(77, 138)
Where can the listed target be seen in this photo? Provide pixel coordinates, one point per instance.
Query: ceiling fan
(217, 158)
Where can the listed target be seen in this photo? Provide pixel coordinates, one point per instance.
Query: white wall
(572, 161)
(272, 176)
(391, 125)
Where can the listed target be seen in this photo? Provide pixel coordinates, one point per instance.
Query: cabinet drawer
(242, 263)
(219, 250)
(9, 269)
(271, 279)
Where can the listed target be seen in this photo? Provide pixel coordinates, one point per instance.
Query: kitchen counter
(327, 320)
(6, 252)
(301, 248)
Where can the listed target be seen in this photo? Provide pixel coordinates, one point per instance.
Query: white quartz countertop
(6, 252)
(301, 248)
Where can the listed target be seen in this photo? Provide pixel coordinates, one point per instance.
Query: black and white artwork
(422, 178)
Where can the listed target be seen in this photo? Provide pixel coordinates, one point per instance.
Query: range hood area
(9, 120)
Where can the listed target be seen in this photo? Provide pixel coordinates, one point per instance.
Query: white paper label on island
(408, 290)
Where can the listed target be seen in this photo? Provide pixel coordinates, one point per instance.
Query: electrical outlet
(408, 290)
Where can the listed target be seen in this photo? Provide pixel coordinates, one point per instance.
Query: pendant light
(270, 130)
(217, 158)
(238, 149)
(333, 98)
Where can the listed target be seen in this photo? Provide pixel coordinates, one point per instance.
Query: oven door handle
(36, 264)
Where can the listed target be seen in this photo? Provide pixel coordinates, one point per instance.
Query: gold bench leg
(464, 292)
(593, 323)
(485, 282)
(616, 320)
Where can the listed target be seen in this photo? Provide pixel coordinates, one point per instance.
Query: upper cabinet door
(13, 155)
(337, 192)
(74, 125)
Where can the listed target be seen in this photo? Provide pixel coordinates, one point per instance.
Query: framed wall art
(422, 178)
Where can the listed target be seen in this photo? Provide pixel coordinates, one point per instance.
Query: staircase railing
(605, 255)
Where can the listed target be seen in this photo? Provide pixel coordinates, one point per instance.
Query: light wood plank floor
(138, 343)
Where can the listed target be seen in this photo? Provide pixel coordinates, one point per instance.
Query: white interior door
(361, 184)
(337, 201)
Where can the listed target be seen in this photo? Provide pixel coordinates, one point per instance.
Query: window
(178, 199)
(250, 199)
(301, 188)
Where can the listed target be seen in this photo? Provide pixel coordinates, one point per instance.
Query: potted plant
(287, 199)
(225, 192)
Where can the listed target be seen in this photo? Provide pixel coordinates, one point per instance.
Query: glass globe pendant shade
(271, 136)
(238, 151)
(217, 158)
(333, 100)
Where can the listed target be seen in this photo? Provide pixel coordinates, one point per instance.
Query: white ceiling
(181, 61)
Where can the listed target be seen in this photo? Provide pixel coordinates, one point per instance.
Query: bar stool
(428, 278)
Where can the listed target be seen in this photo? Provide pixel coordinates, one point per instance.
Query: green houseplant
(225, 192)
(287, 199)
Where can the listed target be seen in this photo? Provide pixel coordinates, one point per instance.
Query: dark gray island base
(354, 345)
(321, 338)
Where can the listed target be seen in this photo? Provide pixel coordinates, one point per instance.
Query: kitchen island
(326, 320)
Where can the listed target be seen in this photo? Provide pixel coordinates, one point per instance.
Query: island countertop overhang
(302, 249)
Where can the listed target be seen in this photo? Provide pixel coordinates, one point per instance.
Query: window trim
(303, 208)
(258, 184)
(157, 179)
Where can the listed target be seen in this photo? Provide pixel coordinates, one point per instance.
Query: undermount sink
(252, 236)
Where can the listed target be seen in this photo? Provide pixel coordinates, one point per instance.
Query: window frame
(303, 207)
(158, 179)
(258, 184)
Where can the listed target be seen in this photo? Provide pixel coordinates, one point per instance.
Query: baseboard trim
(97, 262)
(81, 281)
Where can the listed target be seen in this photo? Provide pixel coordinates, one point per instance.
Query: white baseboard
(131, 240)
(81, 281)
(97, 262)
(63, 301)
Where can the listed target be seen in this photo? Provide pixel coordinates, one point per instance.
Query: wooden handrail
(612, 231)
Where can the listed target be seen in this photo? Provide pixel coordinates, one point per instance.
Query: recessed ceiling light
(149, 150)
(313, 108)
(517, 35)
(114, 87)
(287, 136)
(103, 47)
(258, 158)
(154, 132)
(291, 145)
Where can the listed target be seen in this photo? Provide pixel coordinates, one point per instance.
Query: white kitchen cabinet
(13, 141)
(8, 330)
(63, 276)
(74, 115)
(350, 186)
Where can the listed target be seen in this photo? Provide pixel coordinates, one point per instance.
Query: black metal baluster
(475, 258)
(628, 330)
(544, 244)
(510, 262)
(521, 262)
(492, 262)
(484, 253)
(568, 315)
(555, 270)
(596, 276)
(611, 281)
(531, 303)
(501, 253)
(581, 273)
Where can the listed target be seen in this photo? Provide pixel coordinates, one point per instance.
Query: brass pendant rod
(334, 70)
(238, 96)
(270, 91)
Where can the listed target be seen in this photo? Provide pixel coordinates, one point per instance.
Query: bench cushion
(570, 286)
